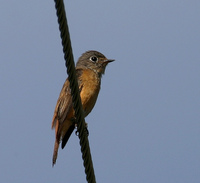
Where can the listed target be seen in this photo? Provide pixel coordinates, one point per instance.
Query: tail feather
(55, 152)
(62, 132)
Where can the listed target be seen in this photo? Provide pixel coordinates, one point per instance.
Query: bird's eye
(93, 58)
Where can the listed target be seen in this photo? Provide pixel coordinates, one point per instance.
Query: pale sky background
(145, 127)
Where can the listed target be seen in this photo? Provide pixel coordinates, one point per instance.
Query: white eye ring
(94, 59)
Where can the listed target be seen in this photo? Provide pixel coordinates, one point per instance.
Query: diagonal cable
(69, 62)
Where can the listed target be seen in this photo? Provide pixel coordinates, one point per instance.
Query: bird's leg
(85, 128)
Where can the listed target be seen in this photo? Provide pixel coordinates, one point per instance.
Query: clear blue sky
(145, 127)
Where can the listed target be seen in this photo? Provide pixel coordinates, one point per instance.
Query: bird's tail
(55, 151)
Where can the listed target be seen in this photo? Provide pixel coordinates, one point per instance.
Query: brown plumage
(89, 69)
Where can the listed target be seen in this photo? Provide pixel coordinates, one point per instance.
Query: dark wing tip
(67, 135)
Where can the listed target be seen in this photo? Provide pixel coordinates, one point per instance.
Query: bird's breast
(90, 89)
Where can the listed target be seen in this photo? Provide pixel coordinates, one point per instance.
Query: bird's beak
(108, 60)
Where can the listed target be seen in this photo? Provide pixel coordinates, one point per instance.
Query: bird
(89, 70)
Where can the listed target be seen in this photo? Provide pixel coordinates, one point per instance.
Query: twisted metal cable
(69, 62)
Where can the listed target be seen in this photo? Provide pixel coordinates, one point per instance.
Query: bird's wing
(63, 106)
